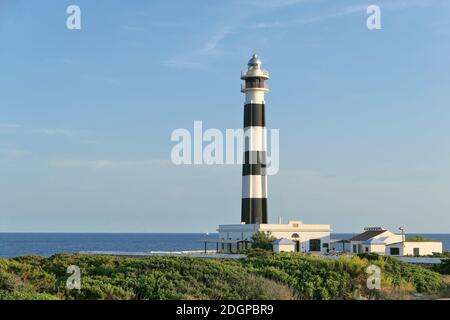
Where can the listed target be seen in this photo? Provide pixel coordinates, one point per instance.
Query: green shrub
(262, 275)
(263, 240)
(444, 267)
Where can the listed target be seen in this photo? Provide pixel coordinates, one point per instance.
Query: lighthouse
(254, 177)
(292, 236)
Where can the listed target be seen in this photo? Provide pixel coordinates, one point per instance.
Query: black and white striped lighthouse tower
(254, 180)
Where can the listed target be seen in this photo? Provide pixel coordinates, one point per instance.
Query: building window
(367, 249)
(295, 235)
(416, 251)
(395, 251)
(314, 245)
(355, 248)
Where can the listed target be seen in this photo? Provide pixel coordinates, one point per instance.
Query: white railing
(265, 73)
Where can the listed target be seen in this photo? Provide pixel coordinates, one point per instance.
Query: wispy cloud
(67, 60)
(57, 132)
(106, 164)
(199, 58)
(132, 28)
(392, 5)
(202, 57)
(273, 3)
(11, 153)
(213, 43)
(102, 79)
(82, 136)
(9, 126)
(44, 131)
(341, 12)
(90, 142)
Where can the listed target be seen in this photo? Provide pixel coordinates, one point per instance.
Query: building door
(295, 237)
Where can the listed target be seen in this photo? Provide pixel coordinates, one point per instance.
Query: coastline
(47, 244)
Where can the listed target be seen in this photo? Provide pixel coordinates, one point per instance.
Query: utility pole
(403, 239)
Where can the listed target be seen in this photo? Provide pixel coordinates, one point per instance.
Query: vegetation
(444, 254)
(130, 278)
(262, 275)
(263, 240)
(418, 238)
(444, 267)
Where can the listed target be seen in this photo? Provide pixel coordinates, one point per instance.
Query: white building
(314, 238)
(414, 248)
(384, 242)
(283, 245)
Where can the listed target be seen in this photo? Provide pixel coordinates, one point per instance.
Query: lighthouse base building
(293, 236)
(313, 238)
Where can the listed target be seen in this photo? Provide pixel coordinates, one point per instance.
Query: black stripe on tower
(254, 210)
(254, 163)
(254, 115)
(254, 170)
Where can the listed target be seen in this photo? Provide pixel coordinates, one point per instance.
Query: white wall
(304, 238)
(283, 248)
(374, 248)
(425, 248)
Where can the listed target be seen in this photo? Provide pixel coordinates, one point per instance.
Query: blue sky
(86, 116)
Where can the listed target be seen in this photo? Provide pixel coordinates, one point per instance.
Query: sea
(48, 244)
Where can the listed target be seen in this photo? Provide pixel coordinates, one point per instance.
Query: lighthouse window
(254, 83)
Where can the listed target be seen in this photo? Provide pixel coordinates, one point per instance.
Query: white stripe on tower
(254, 180)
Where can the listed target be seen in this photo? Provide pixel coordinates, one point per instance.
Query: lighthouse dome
(254, 61)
